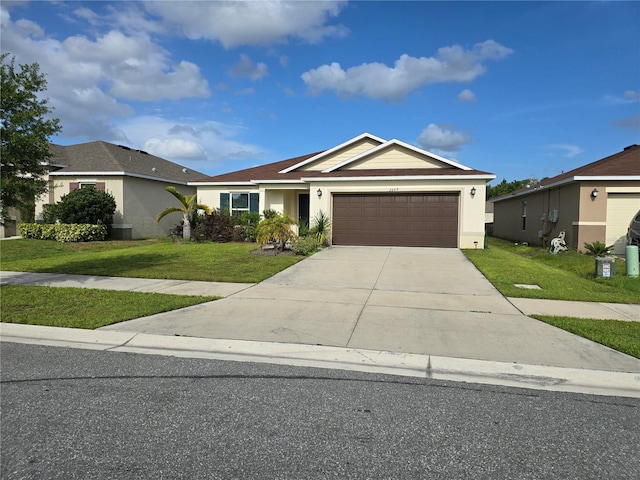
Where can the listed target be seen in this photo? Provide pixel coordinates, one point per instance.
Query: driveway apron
(412, 300)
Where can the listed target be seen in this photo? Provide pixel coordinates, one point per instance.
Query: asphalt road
(68, 413)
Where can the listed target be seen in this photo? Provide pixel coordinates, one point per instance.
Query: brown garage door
(410, 220)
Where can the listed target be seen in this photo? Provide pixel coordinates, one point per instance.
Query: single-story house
(375, 192)
(594, 202)
(135, 178)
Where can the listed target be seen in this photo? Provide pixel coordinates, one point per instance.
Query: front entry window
(239, 203)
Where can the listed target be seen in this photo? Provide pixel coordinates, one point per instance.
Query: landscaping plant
(276, 229)
(188, 204)
(321, 228)
(598, 249)
(216, 226)
(86, 205)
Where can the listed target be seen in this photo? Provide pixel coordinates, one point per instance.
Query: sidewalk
(528, 306)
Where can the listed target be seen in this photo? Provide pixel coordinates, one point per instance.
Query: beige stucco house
(375, 192)
(135, 178)
(594, 202)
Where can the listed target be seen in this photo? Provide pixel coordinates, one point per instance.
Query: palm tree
(189, 204)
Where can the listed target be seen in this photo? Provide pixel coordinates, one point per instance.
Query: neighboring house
(593, 202)
(375, 192)
(135, 178)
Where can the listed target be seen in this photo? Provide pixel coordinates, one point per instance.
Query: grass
(84, 308)
(616, 334)
(154, 258)
(565, 276)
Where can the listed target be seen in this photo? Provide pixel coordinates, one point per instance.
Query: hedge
(64, 232)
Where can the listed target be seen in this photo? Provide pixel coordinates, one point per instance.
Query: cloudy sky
(519, 89)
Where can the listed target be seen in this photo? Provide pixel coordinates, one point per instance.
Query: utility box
(605, 267)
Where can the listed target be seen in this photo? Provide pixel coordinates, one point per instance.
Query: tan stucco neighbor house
(594, 202)
(374, 191)
(135, 178)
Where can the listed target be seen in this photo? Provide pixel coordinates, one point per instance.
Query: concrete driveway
(414, 300)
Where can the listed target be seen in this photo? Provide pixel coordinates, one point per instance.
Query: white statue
(558, 244)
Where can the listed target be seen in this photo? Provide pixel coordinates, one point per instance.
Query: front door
(303, 209)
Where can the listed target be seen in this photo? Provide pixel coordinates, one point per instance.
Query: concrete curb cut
(537, 377)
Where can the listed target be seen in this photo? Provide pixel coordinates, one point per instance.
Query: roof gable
(337, 154)
(393, 155)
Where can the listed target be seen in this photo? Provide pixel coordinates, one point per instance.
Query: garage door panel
(396, 219)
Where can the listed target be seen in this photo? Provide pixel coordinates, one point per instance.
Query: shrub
(86, 206)
(215, 227)
(321, 227)
(80, 232)
(30, 230)
(598, 248)
(249, 222)
(64, 232)
(305, 245)
(276, 229)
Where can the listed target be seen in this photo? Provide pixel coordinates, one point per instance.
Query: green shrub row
(64, 232)
(305, 245)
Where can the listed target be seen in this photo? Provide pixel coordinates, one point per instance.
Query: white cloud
(466, 96)
(198, 145)
(440, 138)
(236, 23)
(247, 68)
(570, 151)
(90, 78)
(632, 94)
(378, 81)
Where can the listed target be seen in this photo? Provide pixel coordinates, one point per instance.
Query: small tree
(188, 204)
(276, 229)
(86, 205)
(25, 128)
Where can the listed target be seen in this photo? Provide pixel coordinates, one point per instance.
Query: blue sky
(518, 89)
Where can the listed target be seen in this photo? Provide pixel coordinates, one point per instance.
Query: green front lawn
(83, 307)
(616, 334)
(565, 276)
(154, 258)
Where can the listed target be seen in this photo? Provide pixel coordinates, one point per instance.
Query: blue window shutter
(224, 203)
(254, 202)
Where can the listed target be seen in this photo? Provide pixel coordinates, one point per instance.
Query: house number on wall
(393, 189)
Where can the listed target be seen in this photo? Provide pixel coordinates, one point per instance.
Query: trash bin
(605, 267)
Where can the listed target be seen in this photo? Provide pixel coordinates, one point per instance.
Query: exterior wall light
(319, 192)
(594, 193)
(473, 191)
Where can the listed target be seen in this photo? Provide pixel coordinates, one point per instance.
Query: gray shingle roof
(106, 158)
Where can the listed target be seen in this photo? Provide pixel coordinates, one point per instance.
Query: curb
(537, 377)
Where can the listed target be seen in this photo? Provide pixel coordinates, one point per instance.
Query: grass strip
(84, 308)
(154, 258)
(565, 276)
(617, 334)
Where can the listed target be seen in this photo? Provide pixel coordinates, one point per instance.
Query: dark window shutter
(254, 202)
(100, 186)
(73, 186)
(224, 203)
